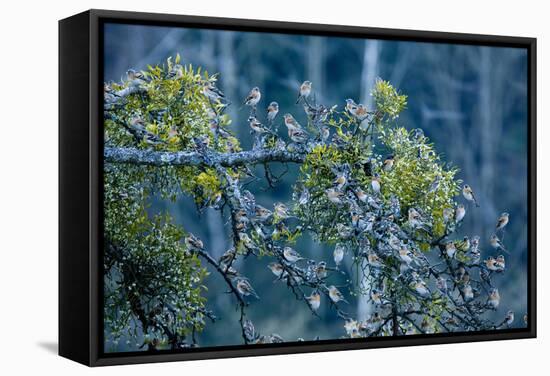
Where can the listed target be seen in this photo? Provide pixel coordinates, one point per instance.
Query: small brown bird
(325, 133)
(212, 92)
(340, 181)
(305, 91)
(276, 269)
(496, 243)
(321, 270)
(500, 263)
(193, 242)
(358, 111)
(490, 264)
(228, 257)
(509, 318)
(245, 288)
(253, 97)
(334, 196)
(291, 123)
(447, 214)
(338, 254)
(460, 213)
(135, 78)
(493, 300)
(502, 221)
(450, 249)
(468, 194)
(373, 260)
(280, 210)
(388, 163)
(314, 300)
(298, 135)
(291, 255)
(375, 184)
(272, 111)
(335, 295)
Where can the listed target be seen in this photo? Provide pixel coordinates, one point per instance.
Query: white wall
(28, 184)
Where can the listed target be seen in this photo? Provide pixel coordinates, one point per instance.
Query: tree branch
(192, 158)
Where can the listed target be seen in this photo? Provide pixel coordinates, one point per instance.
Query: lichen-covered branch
(193, 158)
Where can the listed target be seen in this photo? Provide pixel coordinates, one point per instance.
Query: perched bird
(468, 194)
(338, 254)
(298, 136)
(475, 255)
(344, 231)
(450, 249)
(228, 257)
(314, 300)
(245, 288)
(305, 91)
(335, 295)
(135, 78)
(280, 210)
(447, 214)
(325, 133)
(460, 213)
(272, 111)
(375, 184)
(474, 244)
(493, 299)
(193, 242)
(109, 94)
(262, 214)
(468, 292)
(212, 92)
(500, 263)
(388, 163)
(358, 111)
(240, 216)
(502, 221)
(334, 196)
(291, 123)
(175, 73)
(249, 331)
(276, 268)
(490, 264)
(321, 270)
(415, 219)
(341, 180)
(405, 255)
(256, 126)
(361, 195)
(435, 184)
(463, 245)
(497, 244)
(374, 260)
(291, 255)
(138, 130)
(376, 297)
(253, 97)
(509, 318)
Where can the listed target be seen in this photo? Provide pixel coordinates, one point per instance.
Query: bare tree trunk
(315, 65)
(228, 72)
(368, 76)
(216, 233)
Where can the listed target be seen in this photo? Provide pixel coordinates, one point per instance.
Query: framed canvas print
(239, 187)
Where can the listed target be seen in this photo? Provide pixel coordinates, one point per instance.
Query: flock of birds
(365, 217)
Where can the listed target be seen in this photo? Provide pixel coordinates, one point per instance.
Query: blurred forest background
(471, 101)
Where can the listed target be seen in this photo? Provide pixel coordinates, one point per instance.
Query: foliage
(374, 190)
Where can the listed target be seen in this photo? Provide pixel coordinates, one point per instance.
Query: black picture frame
(80, 186)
